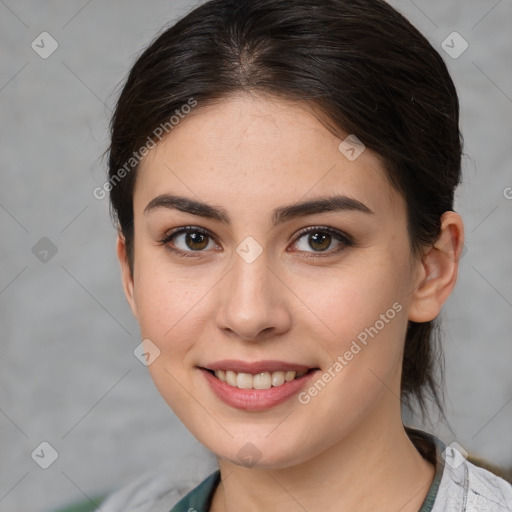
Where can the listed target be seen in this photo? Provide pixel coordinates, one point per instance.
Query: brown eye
(320, 239)
(189, 240)
(186, 241)
(195, 240)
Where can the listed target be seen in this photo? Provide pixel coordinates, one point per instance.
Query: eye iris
(320, 238)
(193, 238)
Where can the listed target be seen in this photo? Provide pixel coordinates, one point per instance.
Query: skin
(249, 155)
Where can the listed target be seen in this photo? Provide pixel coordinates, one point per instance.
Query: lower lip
(256, 399)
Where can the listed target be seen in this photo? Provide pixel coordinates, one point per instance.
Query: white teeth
(264, 380)
(244, 380)
(230, 378)
(277, 378)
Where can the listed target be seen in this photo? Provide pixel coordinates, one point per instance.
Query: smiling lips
(256, 386)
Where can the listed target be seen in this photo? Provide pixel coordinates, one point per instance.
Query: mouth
(256, 386)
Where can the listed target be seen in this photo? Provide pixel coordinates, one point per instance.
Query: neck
(370, 469)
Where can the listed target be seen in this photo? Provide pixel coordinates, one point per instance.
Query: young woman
(282, 173)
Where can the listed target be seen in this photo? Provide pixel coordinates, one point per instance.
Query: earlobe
(126, 274)
(438, 273)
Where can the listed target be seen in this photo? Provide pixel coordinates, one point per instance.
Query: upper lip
(255, 367)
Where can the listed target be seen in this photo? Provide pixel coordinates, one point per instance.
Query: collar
(199, 499)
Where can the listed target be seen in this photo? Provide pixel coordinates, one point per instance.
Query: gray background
(68, 375)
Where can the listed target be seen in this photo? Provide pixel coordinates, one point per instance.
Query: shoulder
(154, 491)
(487, 491)
(471, 488)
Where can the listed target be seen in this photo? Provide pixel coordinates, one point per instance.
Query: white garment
(465, 487)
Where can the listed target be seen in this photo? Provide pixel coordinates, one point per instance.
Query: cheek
(171, 311)
(361, 312)
(172, 305)
(348, 300)
(160, 301)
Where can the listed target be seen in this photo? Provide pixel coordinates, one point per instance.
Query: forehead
(248, 151)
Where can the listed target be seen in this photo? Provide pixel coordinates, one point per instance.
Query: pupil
(196, 238)
(323, 237)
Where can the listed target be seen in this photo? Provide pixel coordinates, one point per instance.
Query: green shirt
(199, 499)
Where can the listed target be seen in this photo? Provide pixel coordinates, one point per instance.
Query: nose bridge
(252, 301)
(250, 273)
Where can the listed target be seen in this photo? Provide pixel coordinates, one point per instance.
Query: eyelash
(343, 238)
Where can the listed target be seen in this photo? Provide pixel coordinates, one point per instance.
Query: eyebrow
(334, 203)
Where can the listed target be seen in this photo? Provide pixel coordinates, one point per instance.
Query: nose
(252, 302)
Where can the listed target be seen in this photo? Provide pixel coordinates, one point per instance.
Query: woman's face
(265, 285)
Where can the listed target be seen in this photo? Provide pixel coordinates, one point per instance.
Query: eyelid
(345, 239)
(332, 231)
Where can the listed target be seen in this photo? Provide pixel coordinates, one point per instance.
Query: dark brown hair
(360, 62)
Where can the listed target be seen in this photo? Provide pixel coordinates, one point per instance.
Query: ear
(438, 271)
(126, 274)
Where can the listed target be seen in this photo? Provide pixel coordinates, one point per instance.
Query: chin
(259, 452)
